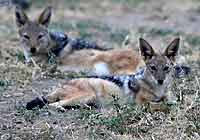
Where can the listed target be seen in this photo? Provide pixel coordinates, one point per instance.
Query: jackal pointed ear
(146, 50)
(21, 17)
(45, 17)
(172, 50)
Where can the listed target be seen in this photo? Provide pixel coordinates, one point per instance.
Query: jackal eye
(153, 68)
(166, 68)
(26, 36)
(40, 36)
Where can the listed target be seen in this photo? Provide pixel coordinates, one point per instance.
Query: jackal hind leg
(81, 100)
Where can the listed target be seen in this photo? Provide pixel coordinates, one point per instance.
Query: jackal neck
(60, 40)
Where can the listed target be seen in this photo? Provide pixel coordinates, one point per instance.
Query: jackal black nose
(33, 50)
(160, 82)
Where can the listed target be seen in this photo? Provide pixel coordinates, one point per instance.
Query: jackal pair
(148, 85)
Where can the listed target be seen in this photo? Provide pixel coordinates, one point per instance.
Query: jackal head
(160, 66)
(34, 36)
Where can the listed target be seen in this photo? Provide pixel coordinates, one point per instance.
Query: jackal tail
(37, 102)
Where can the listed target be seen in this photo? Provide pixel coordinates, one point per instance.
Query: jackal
(37, 40)
(150, 84)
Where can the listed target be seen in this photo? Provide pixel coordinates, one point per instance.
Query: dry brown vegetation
(108, 22)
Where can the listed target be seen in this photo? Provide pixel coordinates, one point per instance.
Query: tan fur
(83, 91)
(119, 61)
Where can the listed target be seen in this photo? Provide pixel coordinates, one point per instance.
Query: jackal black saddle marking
(62, 40)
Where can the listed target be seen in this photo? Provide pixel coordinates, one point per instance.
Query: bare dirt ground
(108, 22)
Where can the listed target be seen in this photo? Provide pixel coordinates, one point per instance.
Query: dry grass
(108, 23)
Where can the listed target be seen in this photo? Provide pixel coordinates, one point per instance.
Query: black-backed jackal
(72, 54)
